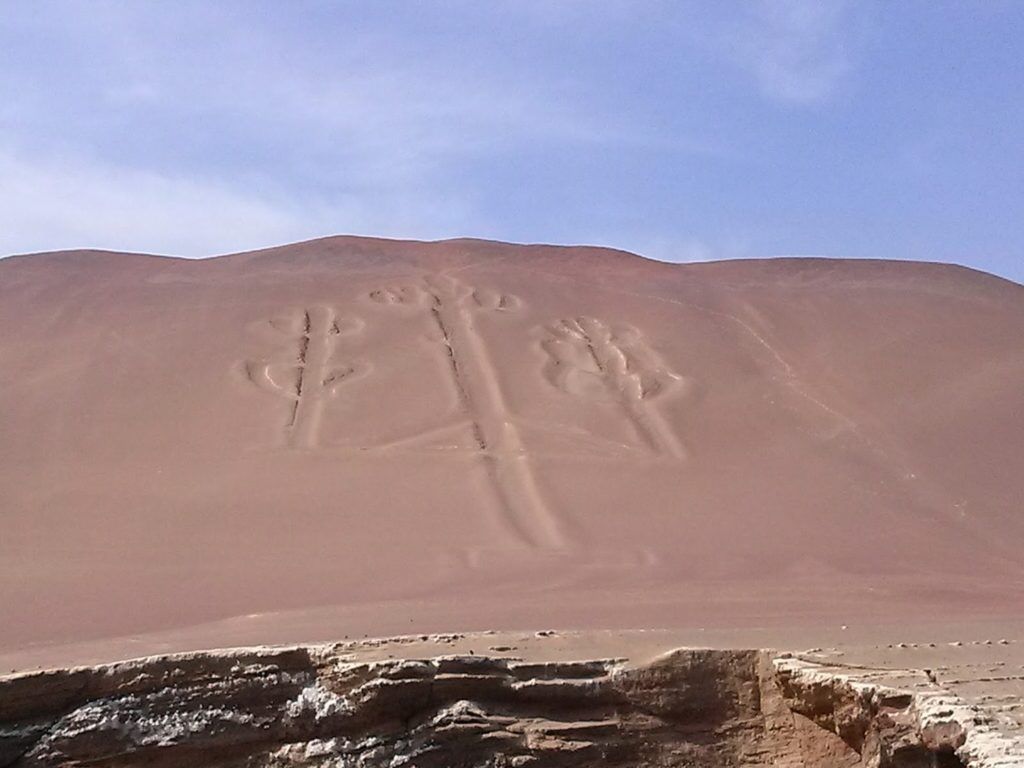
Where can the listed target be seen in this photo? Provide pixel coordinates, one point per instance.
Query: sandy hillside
(353, 436)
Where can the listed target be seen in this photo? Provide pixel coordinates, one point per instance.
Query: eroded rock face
(312, 707)
(891, 728)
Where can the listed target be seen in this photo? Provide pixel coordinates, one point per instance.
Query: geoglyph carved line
(410, 295)
(586, 357)
(434, 431)
(589, 358)
(473, 374)
(310, 378)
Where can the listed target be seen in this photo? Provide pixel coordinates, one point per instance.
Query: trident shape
(451, 306)
(586, 357)
(310, 378)
(589, 357)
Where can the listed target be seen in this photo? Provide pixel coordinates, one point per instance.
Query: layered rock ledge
(315, 706)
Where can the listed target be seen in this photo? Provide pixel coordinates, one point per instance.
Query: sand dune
(354, 436)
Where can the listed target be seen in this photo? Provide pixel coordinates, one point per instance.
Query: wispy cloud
(678, 247)
(67, 202)
(256, 137)
(74, 202)
(797, 50)
(663, 126)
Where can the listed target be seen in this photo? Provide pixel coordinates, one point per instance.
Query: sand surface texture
(353, 436)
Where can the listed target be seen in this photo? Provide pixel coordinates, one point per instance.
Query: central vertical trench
(303, 351)
(453, 362)
(314, 351)
(523, 507)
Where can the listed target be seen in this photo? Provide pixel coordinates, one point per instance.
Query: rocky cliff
(313, 706)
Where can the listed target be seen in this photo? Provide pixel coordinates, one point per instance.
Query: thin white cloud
(70, 202)
(797, 50)
(674, 249)
(679, 247)
(241, 131)
(362, 137)
(67, 203)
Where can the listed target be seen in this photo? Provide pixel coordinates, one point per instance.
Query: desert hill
(351, 436)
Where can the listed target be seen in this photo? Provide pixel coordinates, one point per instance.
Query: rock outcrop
(314, 706)
(892, 727)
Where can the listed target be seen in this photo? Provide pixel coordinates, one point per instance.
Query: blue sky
(679, 130)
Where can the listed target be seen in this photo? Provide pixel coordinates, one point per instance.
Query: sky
(680, 130)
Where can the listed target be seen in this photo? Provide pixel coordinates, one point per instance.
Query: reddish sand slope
(362, 436)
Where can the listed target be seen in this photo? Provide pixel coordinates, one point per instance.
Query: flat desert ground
(352, 437)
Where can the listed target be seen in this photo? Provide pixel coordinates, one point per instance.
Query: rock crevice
(315, 706)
